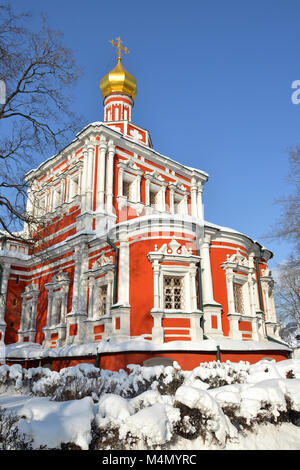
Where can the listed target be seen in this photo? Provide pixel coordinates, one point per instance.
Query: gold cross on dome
(119, 48)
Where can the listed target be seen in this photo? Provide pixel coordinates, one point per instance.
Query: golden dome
(118, 81)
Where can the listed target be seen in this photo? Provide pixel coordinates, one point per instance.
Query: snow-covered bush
(146, 408)
(201, 415)
(83, 380)
(216, 374)
(10, 436)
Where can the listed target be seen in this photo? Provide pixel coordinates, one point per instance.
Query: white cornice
(94, 129)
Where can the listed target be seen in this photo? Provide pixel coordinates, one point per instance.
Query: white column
(77, 294)
(101, 173)
(90, 178)
(147, 192)
(64, 305)
(91, 298)
(3, 291)
(123, 284)
(84, 180)
(120, 182)
(22, 322)
(199, 202)
(194, 200)
(207, 285)
(50, 305)
(185, 204)
(230, 294)
(172, 209)
(110, 176)
(163, 198)
(193, 288)
(33, 312)
(156, 271)
(138, 188)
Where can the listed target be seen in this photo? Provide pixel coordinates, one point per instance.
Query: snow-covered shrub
(149, 407)
(272, 400)
(10, 436)
(201, 415)
(165, 379)
(106, 435)
(118, 426)
(217, 374)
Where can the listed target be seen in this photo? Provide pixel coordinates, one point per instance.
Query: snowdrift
(216, 405)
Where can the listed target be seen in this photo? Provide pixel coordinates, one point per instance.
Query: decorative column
(208, 295)
(156, 271)
(90, 179)
(267, 283)
(210, 307)
(74, 319)
(121, 311)
(110, 176)
(172, 192)
(123, 290)
(194, 199)
(157, 311)
(193, 292)
(84, 180)
(33, 312)
(50, 307)
(91, 311)
(199, 202)
(101, 173)
(3, 295)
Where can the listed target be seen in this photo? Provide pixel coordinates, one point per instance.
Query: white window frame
(234, 264)
(29, 311)
(101, 274)
(187, 271)
(56, 197)
(74, 179)
(58, 289)
(178, 199)
(129, 172)
(156, 184)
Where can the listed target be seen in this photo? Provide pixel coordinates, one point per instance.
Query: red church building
(125, 263)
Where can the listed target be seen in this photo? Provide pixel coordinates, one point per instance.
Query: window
(127, 190)
(17, 279)
(174, 292)
(56, 198)
(74, 187)
(14, 302)
(42, 208)
(102, 300)
(153, 198)
(178, 205)
(57, 311)
(238, 297)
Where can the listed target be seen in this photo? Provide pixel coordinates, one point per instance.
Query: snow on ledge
(36, 351)
(205, 345)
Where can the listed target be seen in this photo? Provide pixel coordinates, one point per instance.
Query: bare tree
(288, 226)
(287, 290)
(38, 71)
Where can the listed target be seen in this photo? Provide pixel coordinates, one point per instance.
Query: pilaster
(3, 296)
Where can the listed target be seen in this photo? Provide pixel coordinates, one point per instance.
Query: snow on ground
(285, 436)
(142, 410)
(50, 423)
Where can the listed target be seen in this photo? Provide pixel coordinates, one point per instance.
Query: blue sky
(214, 89)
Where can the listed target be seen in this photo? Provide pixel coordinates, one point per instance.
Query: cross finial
(117, 44)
